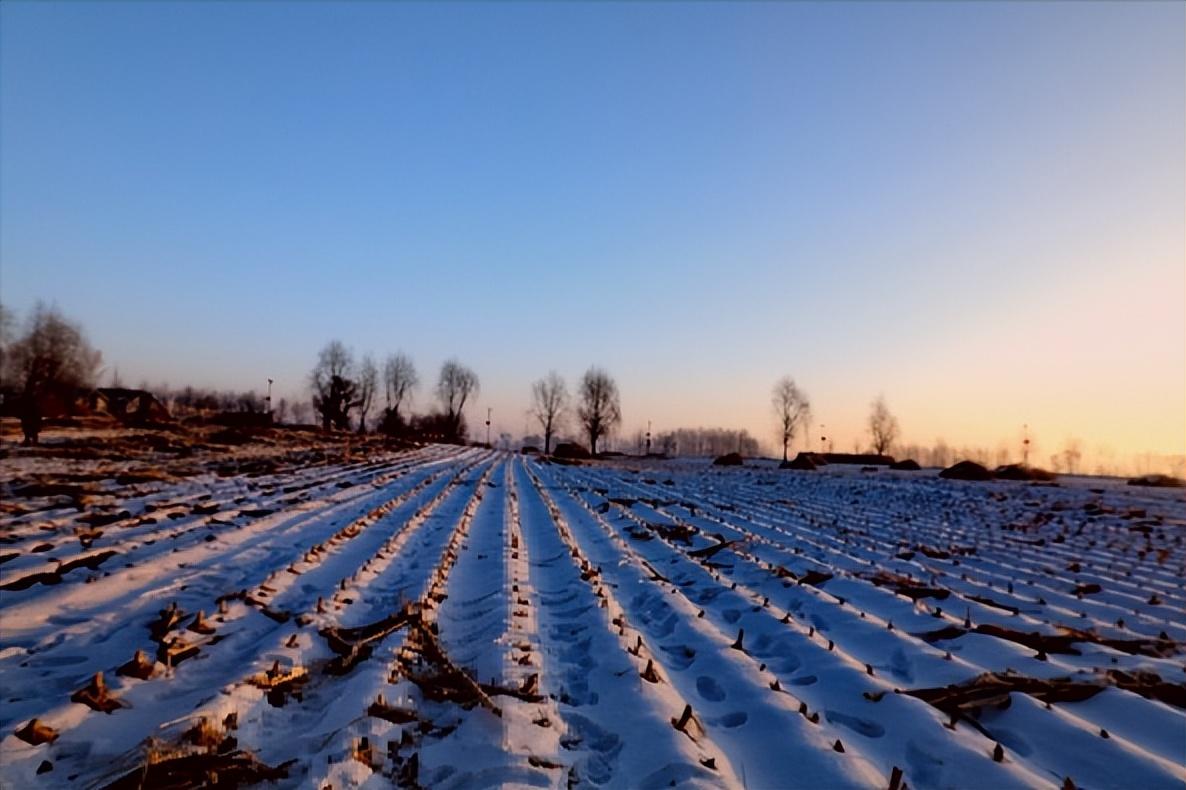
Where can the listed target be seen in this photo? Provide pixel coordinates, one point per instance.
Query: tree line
(44, 367)
(47, 361)
(344, 391)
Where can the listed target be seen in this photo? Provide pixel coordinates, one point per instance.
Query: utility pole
(1025, 445)
(822, 438)
(269, 397)
(648, 437)
(488, 412)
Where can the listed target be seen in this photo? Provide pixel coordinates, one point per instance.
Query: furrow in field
(245, 630)
(765, 732)
(167, 527)
(257, 548)
(614, 694)
(828, 520)
(1127, 759)
(843, 558)
(129, 511)
(398, 724)
(849, 627)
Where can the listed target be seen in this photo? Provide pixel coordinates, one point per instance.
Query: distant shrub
(728, 459)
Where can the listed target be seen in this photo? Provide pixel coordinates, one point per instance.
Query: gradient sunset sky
(977, 209)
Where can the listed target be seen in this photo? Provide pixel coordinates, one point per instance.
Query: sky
(977, 210)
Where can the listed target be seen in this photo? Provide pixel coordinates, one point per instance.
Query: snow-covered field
(457, 617)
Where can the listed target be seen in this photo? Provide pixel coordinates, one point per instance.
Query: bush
(729, 459)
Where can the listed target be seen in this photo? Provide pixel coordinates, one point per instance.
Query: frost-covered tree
(883, 426)
(792, 409)
(549, 398)
(600, 410)
(333, 385)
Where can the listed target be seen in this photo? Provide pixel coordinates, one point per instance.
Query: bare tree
(792, 409)
(281, 412)
(368, 380)
(1072, 452)
(940, 453)
(707, 442)
(48, 364)
(599, 411)
(333, 385)
(7, 330)
(883, 426)
(455, 385)
(399, 379)
(300, 412)
(549, 399)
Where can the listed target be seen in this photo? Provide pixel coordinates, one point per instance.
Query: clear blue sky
(973, 204)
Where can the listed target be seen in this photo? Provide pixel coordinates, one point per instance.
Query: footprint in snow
(706, 595)
(924, 766)
(709, 688)
(665, 627)
(735, 719)
(1012, 741)
(870, 729)
(680, 656)
(900, 666)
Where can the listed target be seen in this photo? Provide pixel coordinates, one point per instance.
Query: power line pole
(488, 412)
(648, 437)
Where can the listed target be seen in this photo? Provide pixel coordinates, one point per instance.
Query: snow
(608, 637)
